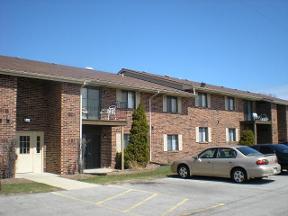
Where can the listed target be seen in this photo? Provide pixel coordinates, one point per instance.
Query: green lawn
(31, 187)
(160, 172)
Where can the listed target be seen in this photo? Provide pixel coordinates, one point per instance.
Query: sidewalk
(56, 181)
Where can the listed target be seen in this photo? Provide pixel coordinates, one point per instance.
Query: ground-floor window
(203, 134)
(126, 140)
(231, 134)
(172, 143)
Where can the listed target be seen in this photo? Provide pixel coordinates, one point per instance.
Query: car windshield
(281, 148)
(247, 151)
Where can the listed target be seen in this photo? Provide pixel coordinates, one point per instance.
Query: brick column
(70, 128)
(8, 97)
(274, 123)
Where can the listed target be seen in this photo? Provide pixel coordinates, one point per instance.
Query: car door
(203, 165)
(224, 161)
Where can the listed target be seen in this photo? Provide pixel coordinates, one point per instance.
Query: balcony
(112, 115)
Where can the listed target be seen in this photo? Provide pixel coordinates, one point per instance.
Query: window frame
(201, 100)
(231, 106)
(234, 136)
(169, 104)
(170, 142)
(126, 100)
(206, 133)
(24, 145)
(126, 139)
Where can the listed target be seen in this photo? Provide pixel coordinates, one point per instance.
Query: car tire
(183, 171)
(239, 175)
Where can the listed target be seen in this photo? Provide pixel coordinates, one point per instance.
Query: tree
(247, 138)
(137, 151)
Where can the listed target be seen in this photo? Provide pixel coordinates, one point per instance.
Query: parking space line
(113, 197)
(141, 202)
(174, 207)
(85, 201)
(204, 209)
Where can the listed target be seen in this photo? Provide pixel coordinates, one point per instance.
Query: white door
(29, 152)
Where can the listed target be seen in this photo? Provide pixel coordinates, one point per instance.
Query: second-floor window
(172, 104)
(128, 99)
(90, 103)
(230, 103)
(202, 100)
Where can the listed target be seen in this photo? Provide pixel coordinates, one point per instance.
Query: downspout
(81, 121)
(150, 124)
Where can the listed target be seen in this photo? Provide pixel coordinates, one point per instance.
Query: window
(266, 150)
(24, 144)
(209, 153)
(230, 103)
(90, 103)
(202, 100)
(172, 143)
(126, 140)
(128, 100)
(172, 104)
(231, 134)
(247, 151)
(226, 153)
(38, 145)
(203, 134)
(248, 107)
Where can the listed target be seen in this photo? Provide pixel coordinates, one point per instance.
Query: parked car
(280, 150)
(239, 163)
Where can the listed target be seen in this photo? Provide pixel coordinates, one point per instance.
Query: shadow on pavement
(226, 180)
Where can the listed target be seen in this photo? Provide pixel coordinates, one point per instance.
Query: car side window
(266, 150)
(209, 153)
(226, 153)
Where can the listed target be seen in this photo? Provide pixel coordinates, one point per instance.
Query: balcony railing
(114, 112)
(262, 117)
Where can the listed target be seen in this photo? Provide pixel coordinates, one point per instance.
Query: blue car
(280, 150)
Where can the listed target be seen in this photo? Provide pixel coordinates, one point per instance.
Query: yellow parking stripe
(204, 209)
(140, 203)
(113, 197)
(174, 207)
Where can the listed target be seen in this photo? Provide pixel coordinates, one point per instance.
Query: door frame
(34, 135)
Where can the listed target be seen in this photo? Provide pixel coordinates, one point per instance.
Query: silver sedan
(239, 163)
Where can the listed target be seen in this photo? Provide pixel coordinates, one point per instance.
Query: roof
(186, 85)
(49, 71)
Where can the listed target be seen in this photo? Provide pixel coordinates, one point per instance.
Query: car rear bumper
(264, 171)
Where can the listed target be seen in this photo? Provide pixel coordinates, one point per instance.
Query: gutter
(81, 161)
(150, 124)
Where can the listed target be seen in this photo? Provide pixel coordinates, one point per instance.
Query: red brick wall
(8, 94)
(52, 136)
(32, 103)
(70, 127)
(217, 118)
(282, 123)
(54, 108)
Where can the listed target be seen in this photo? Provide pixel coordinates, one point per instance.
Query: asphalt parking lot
(168, 196)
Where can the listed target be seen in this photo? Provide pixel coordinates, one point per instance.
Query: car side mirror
(195, 157)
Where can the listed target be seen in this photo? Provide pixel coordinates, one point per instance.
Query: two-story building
(62, 118)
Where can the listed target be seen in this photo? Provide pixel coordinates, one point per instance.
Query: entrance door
(92, 140)
(29, 150)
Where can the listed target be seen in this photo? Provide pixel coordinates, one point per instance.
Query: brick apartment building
(59, 116)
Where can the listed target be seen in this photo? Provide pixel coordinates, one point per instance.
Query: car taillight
(262, 162)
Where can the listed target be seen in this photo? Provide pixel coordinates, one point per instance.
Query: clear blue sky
(235, 43)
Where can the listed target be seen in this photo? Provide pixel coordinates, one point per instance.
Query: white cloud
(277, 91)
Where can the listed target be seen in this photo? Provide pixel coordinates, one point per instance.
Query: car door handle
(208, 162)
(230, 162)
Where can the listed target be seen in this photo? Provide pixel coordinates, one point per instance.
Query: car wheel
(239, 175)
(183, 171)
